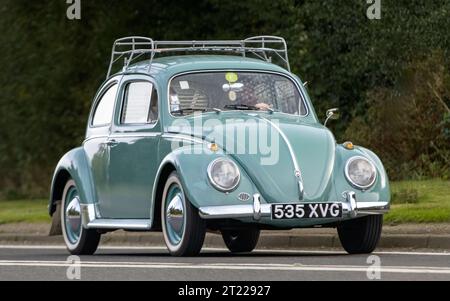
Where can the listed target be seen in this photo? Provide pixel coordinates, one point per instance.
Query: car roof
(172, 65)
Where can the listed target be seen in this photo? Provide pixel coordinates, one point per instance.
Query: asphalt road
(153, 263)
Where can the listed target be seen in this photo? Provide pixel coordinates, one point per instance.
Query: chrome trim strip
(125, 135)
(129, 224)
(301, 187)
(183, 137)
(297, 171)
(134, 135)
(95, 137)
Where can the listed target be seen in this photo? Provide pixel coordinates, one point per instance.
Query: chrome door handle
(112, 142)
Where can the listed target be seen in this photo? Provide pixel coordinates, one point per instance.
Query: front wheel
(241, 240)
(361, 235)
(79, 241)
(183, 229)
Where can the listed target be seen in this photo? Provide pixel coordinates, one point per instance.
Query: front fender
(191, 163)
(74, 165)
(379, 192)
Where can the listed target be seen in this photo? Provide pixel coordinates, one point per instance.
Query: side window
(140, 104)
(104, 110)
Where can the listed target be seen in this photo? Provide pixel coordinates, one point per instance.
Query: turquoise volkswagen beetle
(191, 136)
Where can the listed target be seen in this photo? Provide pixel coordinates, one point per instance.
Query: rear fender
(73, 165)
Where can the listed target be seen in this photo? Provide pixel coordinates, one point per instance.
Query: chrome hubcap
(73, 217)
(175, 215)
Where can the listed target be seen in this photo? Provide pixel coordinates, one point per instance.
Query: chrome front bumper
(351, 208)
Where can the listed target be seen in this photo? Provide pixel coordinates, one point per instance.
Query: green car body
(120, 170)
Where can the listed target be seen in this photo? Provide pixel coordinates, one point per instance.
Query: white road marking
(276, 251)
(228, 266)
(31, 247)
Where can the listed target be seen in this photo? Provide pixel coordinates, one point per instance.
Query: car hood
(270, 148)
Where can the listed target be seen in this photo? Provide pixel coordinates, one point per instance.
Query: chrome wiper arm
(272, 110)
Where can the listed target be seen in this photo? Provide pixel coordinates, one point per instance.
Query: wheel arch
(192, 172)
(166, 168)
(73, 165)
(59, 182)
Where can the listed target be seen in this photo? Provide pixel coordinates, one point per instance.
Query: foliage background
(389, 77)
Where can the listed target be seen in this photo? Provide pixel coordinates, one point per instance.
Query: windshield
(204, 92)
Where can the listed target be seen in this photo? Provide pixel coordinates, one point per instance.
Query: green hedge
(51, 68)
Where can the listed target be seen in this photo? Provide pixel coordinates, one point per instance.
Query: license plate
(306, 211)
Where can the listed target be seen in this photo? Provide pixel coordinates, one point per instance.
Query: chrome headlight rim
(216, 185)
(349, 179)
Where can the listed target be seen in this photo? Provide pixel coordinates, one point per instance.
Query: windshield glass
(204, 92)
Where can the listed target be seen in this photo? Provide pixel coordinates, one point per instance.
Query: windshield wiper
(182, 111)
(240, 107)
(247, 107)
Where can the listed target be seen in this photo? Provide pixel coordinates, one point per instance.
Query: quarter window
(140, 104)
(104, 110)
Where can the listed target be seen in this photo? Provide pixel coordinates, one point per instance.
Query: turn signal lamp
(348, 145)
(213, 147)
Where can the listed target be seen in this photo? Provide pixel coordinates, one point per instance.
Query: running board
(91, 221)
(127, 224)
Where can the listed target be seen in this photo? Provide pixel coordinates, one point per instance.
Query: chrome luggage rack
(133, 48)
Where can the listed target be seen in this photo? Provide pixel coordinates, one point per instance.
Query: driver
(248, 97)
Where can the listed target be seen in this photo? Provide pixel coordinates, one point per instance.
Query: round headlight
(360, 172)
(223, 174)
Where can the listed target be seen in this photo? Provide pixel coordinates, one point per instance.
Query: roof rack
(133, 48)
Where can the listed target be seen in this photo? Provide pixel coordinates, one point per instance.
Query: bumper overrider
(351, 208)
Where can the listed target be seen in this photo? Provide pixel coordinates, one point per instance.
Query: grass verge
(413, 202)
(27, 211)
(430, 202)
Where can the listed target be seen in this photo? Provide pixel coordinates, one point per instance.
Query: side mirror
(332, 114)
